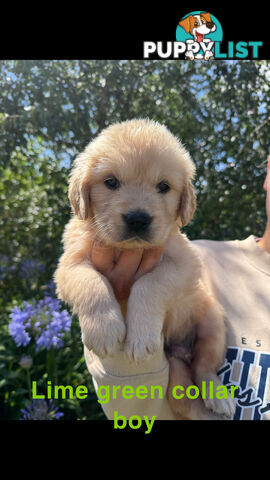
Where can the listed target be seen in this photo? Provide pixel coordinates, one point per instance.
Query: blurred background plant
(49, 111)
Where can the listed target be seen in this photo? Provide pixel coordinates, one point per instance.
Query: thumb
(102, 257)
(267, 188)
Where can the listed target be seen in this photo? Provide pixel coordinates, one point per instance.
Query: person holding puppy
(238, 272)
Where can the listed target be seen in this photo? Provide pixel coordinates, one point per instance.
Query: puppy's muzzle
(137, 222)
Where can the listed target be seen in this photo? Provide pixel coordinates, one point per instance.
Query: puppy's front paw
(104, 335)
(141, 347)
(208, 55)
(221, 406)
(144, 323)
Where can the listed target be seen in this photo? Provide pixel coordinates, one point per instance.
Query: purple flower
(31, 269)
(6, 267)
(42, 321)
(18, 326)
(50, 289)
(41, 410)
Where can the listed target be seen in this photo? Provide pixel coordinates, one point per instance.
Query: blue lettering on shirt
(239, 362)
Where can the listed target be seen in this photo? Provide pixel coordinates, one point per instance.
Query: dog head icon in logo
(198, 25)
(199, 30)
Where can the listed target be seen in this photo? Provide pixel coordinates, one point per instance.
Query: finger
(102, 257)
(123, 274)
(267, 188)
(266, 184)
(127, 264)
(150, 259)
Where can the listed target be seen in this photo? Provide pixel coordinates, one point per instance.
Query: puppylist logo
(199, 36)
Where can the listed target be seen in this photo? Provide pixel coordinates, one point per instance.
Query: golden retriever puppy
(132, 188)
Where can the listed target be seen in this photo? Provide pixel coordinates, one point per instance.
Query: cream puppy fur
(132, 188)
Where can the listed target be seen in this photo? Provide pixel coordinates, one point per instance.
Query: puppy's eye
(112, 183)
(163, 187)
(196, 24)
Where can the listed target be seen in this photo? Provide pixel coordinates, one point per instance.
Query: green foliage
(50, 110)
(65, 366)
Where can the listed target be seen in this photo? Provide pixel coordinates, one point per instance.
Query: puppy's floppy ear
(206, 16)
(187, 204)
(79, 196)
(185, 24)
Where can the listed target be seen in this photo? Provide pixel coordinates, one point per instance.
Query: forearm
(117, 373)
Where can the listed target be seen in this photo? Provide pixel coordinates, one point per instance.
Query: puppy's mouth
(199, 37)
(136, 240)
(204, 30)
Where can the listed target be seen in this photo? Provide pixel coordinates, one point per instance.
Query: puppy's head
(132, 183)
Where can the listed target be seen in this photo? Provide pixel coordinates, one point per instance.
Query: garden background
(49, 111)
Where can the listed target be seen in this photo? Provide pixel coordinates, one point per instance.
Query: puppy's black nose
(137, 221)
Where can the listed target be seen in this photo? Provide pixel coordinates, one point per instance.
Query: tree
(50, 110)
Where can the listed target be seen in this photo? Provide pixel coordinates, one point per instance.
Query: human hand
(129, 267)
(266, 187)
